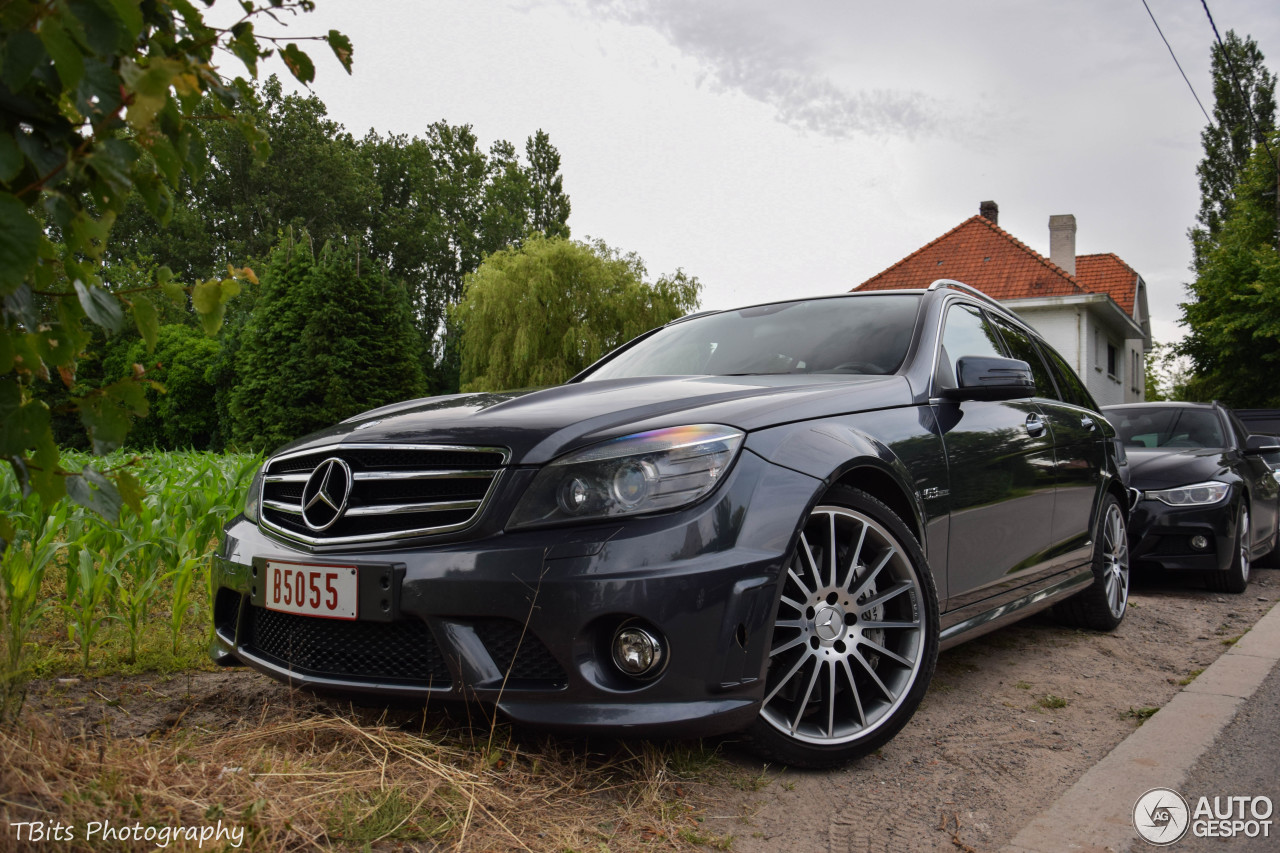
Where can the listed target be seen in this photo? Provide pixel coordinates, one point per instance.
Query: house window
(1112, 367)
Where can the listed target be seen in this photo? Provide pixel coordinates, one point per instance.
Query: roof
(1110, 275)
(983, 255)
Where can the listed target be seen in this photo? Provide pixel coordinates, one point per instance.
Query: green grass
(1051, 702)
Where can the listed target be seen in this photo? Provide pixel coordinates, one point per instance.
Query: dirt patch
(1010, 722)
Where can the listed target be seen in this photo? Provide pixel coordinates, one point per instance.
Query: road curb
(1096, 813)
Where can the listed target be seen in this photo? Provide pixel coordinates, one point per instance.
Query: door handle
(1035, 426)
(1087, 423)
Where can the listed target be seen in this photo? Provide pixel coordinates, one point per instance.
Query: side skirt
(981, 618)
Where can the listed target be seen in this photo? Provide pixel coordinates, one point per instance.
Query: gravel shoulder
(1010, 722)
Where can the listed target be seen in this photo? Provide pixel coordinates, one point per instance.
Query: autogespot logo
(1161, 816)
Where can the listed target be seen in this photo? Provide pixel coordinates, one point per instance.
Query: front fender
(901, 446)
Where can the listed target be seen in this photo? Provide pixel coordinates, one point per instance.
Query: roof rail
(969, 289)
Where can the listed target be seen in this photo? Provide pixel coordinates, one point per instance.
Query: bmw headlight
(647, 472)
(1201, 494)
(253, 497)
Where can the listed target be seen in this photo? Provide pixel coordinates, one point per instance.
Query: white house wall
(1081, 338)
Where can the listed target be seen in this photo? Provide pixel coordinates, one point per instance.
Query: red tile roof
(981, 254)
(1110, 275)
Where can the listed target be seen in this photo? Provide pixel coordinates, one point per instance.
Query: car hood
(540, 424)
(1160, 469)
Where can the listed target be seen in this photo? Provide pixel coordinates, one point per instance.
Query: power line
(1248, 107)
(1176, 62)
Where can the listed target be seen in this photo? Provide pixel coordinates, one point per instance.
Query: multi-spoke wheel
(856, 636)
(1236, 577)
(1103, 604)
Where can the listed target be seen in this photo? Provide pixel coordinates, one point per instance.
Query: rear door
(1080, 457)
(1001, 465)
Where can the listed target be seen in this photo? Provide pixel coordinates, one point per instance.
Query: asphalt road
(1243, 761)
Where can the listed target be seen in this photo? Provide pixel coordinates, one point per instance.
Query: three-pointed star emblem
(324, 497)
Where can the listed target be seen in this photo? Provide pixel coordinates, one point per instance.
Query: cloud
(776, 55)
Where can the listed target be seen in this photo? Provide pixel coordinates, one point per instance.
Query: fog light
(637, 652)
(1199, 543)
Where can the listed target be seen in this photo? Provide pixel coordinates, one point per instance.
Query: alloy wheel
(850, 637)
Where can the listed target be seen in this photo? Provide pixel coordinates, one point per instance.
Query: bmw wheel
(1102, 605)
(855, 640)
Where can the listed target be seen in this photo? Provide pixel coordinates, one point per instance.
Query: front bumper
(524, 620)
(1161, 535)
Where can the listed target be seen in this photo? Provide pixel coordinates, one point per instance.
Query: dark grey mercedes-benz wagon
(767, 519)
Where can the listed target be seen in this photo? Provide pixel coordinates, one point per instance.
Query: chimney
(1062, 242)
(990, 210)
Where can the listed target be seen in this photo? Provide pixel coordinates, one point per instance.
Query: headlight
(1201, 494)
(253, 497)
(647, 472)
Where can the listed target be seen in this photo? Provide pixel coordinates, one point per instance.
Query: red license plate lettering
(331, 592)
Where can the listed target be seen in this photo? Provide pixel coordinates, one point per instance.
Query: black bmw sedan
(765, 520)
(1208, 498)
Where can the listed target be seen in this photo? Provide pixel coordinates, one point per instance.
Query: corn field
(82, 593)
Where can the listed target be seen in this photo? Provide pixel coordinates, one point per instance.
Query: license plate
(328, 591)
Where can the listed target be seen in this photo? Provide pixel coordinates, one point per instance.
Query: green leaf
(147, 320)
(108, 412)
(10, 158)
(245, 46)
(341, 46)
(131, 491)
(93, 491)
(67, 59)
(100, 306)
(299, 63)
(130, 15)
(23, 424)
(206, 296)
(23, 54)
(19, 242)
(150, 86)
(156, 196)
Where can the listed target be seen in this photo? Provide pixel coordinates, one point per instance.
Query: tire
(855, 640)
(1236, 578)
(1102, 605)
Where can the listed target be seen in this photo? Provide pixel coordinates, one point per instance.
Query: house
(1091, 308)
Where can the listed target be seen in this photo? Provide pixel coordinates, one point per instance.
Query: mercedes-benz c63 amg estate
(765, 520)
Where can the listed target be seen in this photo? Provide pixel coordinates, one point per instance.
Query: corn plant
(22, 568)
(87, 588)
(180, 595)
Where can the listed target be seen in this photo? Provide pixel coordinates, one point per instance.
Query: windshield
(1167, 427)
(865, 335)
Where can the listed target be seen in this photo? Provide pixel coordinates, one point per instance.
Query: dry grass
(295, 779)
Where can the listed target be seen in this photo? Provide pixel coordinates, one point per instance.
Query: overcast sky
(783, 149)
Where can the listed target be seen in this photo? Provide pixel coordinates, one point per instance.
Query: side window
(1021, 346)
(965, 332)
(1073, 390)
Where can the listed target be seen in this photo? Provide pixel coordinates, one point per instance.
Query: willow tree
(537, 314)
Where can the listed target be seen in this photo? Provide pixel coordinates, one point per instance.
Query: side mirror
(988, 378)
(1258, 444)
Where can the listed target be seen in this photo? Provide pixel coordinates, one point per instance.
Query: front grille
(394, 491)
(403, 651)
(520, 655)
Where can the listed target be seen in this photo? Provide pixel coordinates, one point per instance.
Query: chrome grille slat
(401, 509)
(395, 491)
